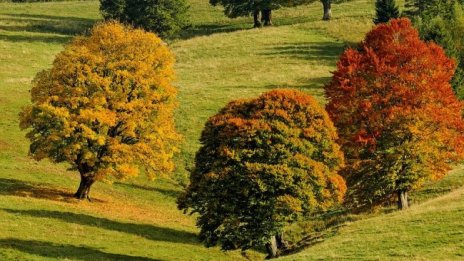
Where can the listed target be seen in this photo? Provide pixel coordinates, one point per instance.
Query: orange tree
(263, 162)
(398, 119)
(106, 106)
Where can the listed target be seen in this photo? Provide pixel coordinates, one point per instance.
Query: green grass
(218, 59)
(430, 231)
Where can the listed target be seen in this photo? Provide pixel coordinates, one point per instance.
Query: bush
(106, 106)
(263, 163)
(163, 17)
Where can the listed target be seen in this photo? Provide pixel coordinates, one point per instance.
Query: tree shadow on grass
(46, 23)
(210, 29)
(63, 252)
(325, 225)
(172, 193)
(304, 243)
(65, 27)
(13, 187)
(147, 231)
(313, 86)
(35, 38)
(314, 51)
(233, 26)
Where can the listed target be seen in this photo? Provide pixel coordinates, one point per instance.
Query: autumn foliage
(263, 162)
(106, 106)
(398, 119)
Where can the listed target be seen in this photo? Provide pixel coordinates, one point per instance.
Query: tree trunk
(257, 23)
(266, 17)
(281, 243)
(402, 199)
(84, 187)
(327, 9)
(271, 247)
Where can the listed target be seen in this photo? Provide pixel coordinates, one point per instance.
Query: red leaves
(393, 94)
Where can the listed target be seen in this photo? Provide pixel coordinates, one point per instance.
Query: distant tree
(237, 8)
(163, 17)
(327, 7)
(443, 23)
(399, 122)
(106, 106)
(263, 162)
(429, 7)
(385, 11)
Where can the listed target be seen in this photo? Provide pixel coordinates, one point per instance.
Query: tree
(263, 163)
(398, 119)
(106, 106)
(385, 11)
(163, 17)
(443, 23)
(237, 8)
(327, 7)
(429, 7)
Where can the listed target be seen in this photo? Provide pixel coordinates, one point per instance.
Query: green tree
(106, 106)
(430, 8)
(264, 8)
(263, 163)
(385, 11)
(163, 17)
(442, 21)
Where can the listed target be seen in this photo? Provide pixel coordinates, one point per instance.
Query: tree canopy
(263, 162)
(399, 121)
(385, 11)
(442, 21)
(163, 17)
(106, 106)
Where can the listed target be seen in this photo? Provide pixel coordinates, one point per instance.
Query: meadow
(218, 59)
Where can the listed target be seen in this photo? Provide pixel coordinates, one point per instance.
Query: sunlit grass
(218, 59)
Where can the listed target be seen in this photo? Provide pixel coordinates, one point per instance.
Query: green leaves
(163, 17)
(263, 162)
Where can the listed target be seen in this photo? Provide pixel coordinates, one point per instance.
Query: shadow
(13, 187)
(312, 85)
(233, 26)
(304, 243)
(147, 231)
(210, 29)
(316, 51)
(172, 193)
(46, 24)
(324, 226)
(63, 252)
(35, 38)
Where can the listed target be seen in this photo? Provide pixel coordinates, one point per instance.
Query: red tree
(398, 119)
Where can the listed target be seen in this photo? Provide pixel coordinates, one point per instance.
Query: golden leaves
(107, 102)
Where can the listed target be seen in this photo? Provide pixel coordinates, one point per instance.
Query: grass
(429, 231)
(218, 59)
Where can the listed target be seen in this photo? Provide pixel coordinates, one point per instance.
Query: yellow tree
(106, 106)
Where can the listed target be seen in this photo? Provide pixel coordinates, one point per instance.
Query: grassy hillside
(218, 60)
